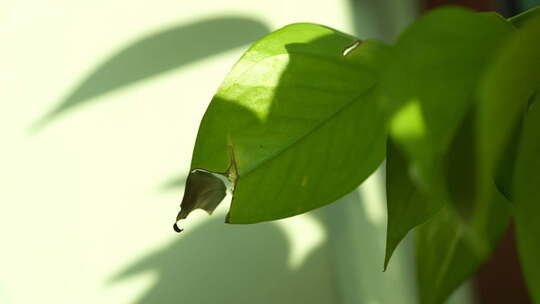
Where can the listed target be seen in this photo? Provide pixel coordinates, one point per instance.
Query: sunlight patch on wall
(373, 198)
(305, 234)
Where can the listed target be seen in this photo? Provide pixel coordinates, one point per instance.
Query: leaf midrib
(318, 126)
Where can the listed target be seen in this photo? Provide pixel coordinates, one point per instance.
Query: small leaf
(526, 186)
(445, 255)
(296, 124)
(406, 206)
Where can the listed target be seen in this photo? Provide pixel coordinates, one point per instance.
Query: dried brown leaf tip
(204, 190)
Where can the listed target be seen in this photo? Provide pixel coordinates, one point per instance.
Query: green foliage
(527, 180)
(308, 113)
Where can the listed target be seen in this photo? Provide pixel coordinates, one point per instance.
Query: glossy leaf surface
(296, 124)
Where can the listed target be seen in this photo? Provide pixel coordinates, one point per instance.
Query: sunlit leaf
(296, 123)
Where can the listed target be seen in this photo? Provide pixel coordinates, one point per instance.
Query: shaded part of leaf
(445, 256)
(406, 207)
(504, 172)
(504, 94)
(204, 190)
(527, 200)
(460, 168)
(319, 169)
(534, 98)
(522, 18)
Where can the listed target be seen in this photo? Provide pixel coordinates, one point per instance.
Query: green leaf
(430, 82)
(428, 86)
(526, 185)
(504, 95)
(406, 207)
(445, 256)
(449, 248)
(460, 162)
(296, 123)
(521, 19)
(504, 170)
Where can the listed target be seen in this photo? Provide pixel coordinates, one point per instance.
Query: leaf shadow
(156, 54)
(175, 183)
(217, 263)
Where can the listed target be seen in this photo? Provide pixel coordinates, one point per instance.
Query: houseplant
(308, 113)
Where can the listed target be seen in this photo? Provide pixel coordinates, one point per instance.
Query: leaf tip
(204, 190)
(176, 228)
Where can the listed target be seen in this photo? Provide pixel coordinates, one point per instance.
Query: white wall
(88, 196)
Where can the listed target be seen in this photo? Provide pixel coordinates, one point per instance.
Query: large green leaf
(430, 84)
(445, 256)
(503, 98)
(295, 124)
(526, 186)
(504, 171)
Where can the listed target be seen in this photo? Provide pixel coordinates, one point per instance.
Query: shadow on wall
(159, 53)
(174, 184)
(217, 263)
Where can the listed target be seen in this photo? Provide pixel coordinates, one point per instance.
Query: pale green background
(87, 204)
